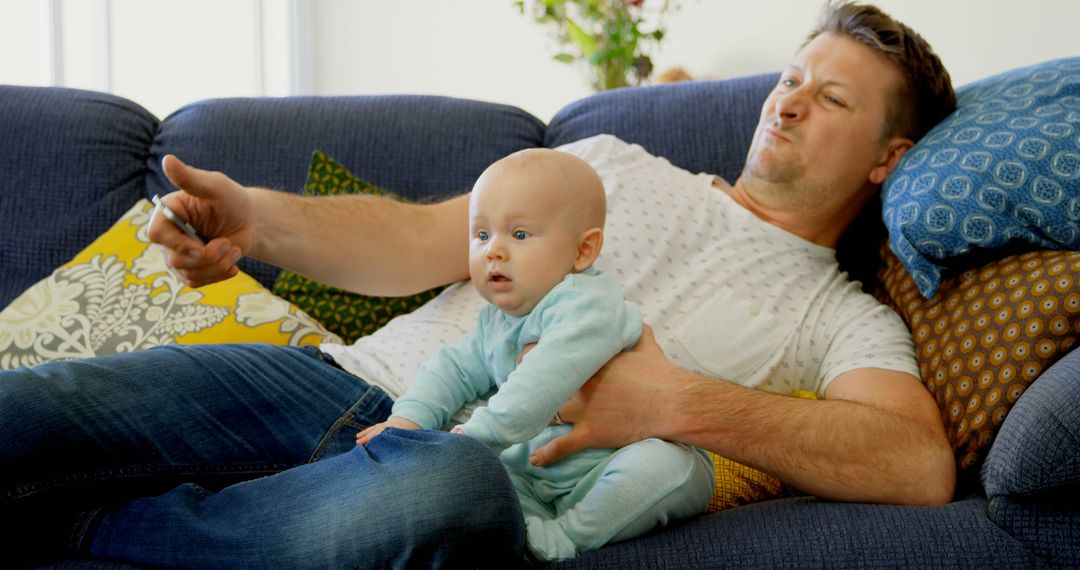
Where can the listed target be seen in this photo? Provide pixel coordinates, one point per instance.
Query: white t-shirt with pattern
(728, 295)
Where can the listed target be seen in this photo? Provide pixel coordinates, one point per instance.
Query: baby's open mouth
(499, 278)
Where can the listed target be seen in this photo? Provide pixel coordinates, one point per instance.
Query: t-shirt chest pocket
(730, 338)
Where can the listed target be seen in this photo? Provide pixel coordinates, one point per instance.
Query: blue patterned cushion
(1002, 171)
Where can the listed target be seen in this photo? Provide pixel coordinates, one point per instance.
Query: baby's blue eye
(521, 234)
(482, 235)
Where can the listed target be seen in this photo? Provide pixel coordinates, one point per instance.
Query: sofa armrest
(1037, 450)
(1032, 473)
(73, 162)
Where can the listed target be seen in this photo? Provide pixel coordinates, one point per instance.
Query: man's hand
(219, 208)
(368, 434)
(617, 406)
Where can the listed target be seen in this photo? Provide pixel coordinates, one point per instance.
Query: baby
(536, 223)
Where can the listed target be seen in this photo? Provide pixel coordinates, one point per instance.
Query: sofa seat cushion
(810, 533)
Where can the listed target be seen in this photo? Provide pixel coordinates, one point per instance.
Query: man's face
(522, 242)
(821, 128)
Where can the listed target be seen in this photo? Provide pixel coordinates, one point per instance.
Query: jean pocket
(373, 407)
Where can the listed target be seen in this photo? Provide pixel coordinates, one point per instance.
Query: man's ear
(894, 151)
(588, 249)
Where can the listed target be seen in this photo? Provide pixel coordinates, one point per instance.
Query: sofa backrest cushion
(75, 162)
(420, 147)
(701, 126)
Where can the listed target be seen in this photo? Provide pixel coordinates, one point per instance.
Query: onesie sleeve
(582, 325)
(454, 376)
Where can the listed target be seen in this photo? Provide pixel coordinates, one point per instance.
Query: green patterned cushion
(349, 315)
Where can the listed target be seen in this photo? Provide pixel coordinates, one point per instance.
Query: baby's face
(522, 242)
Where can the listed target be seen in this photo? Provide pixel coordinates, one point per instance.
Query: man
(855, 98)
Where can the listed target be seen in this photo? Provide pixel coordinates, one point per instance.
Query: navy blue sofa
(71, 162)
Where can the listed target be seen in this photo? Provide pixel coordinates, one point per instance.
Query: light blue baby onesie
(592, 497)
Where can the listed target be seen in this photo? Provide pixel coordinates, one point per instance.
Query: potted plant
(611, 39)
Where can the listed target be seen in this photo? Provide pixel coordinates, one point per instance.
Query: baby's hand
(365, 436)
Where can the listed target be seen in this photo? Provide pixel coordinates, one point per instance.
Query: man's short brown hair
(927, 96)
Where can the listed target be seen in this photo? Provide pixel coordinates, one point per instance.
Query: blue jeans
(239, 456)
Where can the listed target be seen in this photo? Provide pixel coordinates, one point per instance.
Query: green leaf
(564, 57)
(585, 42)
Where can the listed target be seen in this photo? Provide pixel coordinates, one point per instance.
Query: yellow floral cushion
(118, 296)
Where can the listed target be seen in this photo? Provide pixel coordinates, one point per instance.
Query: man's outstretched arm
(359, 243)
(877, 437)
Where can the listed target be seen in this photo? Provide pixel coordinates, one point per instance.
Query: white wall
(154, 43)
(495, 53)
(165, 53)
(24, 48)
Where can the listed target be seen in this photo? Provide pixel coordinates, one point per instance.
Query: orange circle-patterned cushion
(986, 335)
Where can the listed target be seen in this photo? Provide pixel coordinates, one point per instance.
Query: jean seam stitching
(81, 529)
(330, 434)
(335, 428)
(132, 473)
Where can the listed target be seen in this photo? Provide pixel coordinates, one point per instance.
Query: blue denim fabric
(81, 441)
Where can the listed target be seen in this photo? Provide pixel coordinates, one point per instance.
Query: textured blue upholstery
(702, 126)
(416, 145)
(71, 162)
(1048, 413)
(1034, 490)
(807, 533)
(60, 148)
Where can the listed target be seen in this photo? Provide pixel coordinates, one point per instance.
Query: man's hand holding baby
(608, 411)
(368, 434)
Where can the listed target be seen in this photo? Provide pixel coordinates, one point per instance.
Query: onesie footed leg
(645, 485)
(547, 540)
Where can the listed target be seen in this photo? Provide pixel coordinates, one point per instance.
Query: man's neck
(816, 223)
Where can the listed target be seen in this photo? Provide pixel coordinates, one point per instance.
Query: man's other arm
(877, 437)
(360, 243)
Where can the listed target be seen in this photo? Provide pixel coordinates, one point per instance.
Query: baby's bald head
(561, 179)
(535, 217)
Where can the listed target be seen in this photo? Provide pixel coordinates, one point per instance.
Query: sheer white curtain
(160, 53)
